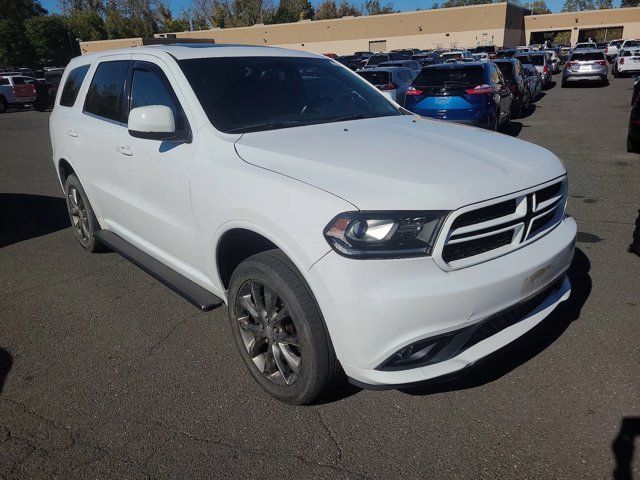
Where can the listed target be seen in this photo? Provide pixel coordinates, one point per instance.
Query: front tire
(3, 105)
(632, 145)
(279, 330)
(83, 219)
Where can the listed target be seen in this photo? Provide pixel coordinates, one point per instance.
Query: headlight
(384, 234)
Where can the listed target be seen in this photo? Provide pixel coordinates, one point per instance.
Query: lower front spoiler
(455, 367)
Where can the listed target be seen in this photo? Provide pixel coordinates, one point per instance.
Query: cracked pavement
(111, 375)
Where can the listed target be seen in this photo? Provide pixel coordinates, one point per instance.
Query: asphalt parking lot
(108, 374)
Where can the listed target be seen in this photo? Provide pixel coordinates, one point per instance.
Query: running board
(190, 291)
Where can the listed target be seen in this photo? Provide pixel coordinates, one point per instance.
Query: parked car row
(20, 87)
(480, 93)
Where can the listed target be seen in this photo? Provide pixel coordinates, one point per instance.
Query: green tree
(15, 48)
(87, 25)
(630, 3)
(373, 7)
(578, 5)
(166, 22)
(538, 7)
(604, 4)
(326, 10)
(50, 39)
(130, 18)
(293, 11)
(346, 9)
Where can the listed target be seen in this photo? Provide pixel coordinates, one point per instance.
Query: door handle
(72, 133)
(125, 150)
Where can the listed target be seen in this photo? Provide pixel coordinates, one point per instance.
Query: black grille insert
(485, 213)
(469, 248)
(548, 192)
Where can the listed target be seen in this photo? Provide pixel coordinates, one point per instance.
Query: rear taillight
(388, 86)
(413, 92)
(545, 69)
(601, 62)
(622, 61)
(512, 87)
(480, 90)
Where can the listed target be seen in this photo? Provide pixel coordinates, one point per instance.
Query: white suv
(343, 233)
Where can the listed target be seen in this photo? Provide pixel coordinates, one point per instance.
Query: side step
(195, 294)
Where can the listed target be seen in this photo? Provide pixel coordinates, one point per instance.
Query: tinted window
(21, 81)
(437, 77)
(376, 78)
(104, 97)
(72, 86)
(632, 43)
(587, 56)
(506, 68)
(245, 94)
(151, 87)
(4, 81)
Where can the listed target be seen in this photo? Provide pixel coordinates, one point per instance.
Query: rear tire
(83, 219)
(563, 84)
(3, 105)
(632, 145)
(279, 329)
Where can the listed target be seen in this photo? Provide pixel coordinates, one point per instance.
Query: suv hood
(403, 162)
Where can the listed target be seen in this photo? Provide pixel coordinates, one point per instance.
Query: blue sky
(404, 5)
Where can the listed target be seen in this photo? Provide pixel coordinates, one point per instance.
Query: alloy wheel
(79, 215)
(268, 332)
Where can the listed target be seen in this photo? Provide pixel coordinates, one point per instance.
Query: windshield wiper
(267, 125)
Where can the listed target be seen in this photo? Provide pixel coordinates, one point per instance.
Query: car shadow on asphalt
(6, 361)
(623, 447)
(25, 216)
(526, 347)
(514, 129)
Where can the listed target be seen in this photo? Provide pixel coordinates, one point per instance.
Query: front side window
(104, 97)
(151, 87)
(72, 86)
(248, 94)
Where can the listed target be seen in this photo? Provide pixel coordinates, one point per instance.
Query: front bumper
(373, 308)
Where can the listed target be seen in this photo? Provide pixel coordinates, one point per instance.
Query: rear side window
(72, 86)
(4, 81)
(438, 77)
(104, 97)
(587, 56)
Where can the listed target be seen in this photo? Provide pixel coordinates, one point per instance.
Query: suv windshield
(376, 59)
(250, 94)
(439, 77)
(632, 43)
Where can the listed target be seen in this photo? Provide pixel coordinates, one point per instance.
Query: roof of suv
(185, 51)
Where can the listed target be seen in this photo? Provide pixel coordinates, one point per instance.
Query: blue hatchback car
(471, 93)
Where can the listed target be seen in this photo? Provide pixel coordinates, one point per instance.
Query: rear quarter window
(72, 86)
(104, 97)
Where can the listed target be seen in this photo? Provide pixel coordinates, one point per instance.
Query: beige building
(500, 24)
(604, 25)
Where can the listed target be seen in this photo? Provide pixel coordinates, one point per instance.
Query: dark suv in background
(513, 78)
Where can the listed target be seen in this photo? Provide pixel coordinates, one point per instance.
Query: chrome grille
(484, 231)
